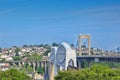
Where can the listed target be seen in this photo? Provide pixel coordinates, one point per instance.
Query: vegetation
(40, 70)
(48, 50)
(26, 54)
(55, 44)
(3, 60)
(17, 50)
(13, 74)
(25, 46)
(86, 64)
(0, 48)
(26, 69)
(72, 45)
(40, 45)
(34, 57)
(17, 58)
(96, 72)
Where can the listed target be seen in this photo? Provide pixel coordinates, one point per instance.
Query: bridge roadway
(97, 58)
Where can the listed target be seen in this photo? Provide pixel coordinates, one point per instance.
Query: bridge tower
(61, 58)
(80, 38)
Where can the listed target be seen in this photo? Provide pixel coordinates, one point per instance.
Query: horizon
(44, 22)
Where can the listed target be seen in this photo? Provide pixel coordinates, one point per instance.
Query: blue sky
(47, 21)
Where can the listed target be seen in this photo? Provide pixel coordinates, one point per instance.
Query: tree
(34, 57)
(0, 48)
(17, 50)
(92, 53)
(30, 45)
(55, 44)
(118, 49)
(40, 70)
(41, 45)
(3, 60)
(96, 72)
(85, 64)
(13, 74)
(25, 46)
(46, 52)
(27, 54)
(17, 58)
(26, 69)
(72, 45)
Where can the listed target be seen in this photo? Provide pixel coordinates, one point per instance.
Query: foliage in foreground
(13, 74)
(26, 69)
(96, 72)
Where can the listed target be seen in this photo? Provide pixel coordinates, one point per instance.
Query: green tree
(17, 50)
(46, 52)
(96, 72)
(85, 64)
(40, 70)
(72, 45)
(25, 46)
(30, 45)
(26, 54)
(3, 60)
(46, 46)
(0, 48)
(13, 74)
(17, 58)
(41, 45)
(34, 57)
(55, 44)
(26, 69)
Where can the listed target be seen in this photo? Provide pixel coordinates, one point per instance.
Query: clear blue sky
(48, 21)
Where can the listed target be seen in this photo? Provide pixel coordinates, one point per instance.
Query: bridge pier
(45, 66)
(14, 64)
(29, 63)
(51, 71)
(23, 63)
(33, 64)
(19, 64)
(42, 64)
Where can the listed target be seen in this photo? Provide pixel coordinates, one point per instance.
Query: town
(59, 39)
(34, 59)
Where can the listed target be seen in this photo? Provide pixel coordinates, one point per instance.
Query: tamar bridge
(97, 58)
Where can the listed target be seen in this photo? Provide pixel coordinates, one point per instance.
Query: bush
(96, 72)
(13, 74)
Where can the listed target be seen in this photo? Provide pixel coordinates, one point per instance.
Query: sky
(47, 21)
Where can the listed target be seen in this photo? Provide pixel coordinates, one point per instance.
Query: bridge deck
(98, 58)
